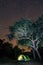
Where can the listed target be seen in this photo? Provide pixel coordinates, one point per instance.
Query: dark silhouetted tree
(29, 32)
(7, 49)
(1, 49)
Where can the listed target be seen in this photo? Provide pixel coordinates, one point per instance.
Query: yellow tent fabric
(23, 58)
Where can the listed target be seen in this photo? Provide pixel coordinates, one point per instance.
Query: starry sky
(13, 10)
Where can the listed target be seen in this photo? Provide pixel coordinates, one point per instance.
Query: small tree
(25, 29)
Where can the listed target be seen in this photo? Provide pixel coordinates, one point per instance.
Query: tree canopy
(31, 34)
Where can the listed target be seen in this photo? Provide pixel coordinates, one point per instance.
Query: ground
(23, 63)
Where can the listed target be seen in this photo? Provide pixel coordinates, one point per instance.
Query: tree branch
(37, 44)
(36, 39)
(25, 38)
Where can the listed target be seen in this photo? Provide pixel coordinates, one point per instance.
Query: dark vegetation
(7, 51)
(27, 33)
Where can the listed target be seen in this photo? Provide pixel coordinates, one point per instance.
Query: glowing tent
(23, 58)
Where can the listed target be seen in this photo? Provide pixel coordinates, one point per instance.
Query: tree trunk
(34, 54)
(38, 54)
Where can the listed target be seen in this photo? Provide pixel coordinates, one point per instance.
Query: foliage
(20, 29)
(25, 29)
(7, 51)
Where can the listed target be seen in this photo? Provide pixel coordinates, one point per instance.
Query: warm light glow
(26, 49)
(14, 42)
(20, 57)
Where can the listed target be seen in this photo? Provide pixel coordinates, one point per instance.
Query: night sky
(13, 10)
